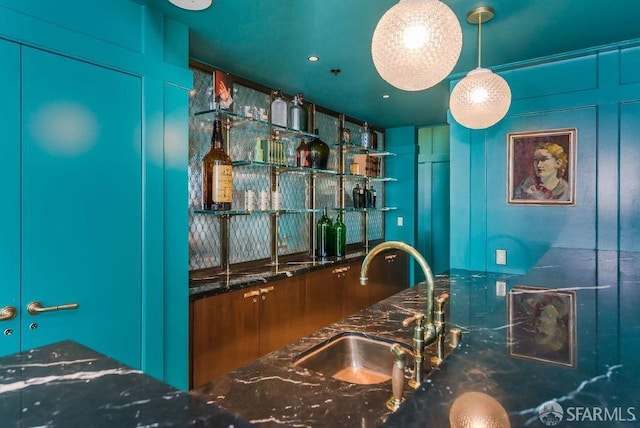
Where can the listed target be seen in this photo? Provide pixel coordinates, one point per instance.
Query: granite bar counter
(557, 346)
(68, 385)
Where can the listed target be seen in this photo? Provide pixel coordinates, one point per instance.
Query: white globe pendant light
(482, 98)
(416, 44)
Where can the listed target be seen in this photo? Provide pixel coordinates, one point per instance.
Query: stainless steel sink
(352, 357)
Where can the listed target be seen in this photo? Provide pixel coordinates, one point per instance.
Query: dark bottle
(318, 153)
(302, 154)
(339, 235)
(356, 196)
(371, 197)
(323, 235)
(217, 176)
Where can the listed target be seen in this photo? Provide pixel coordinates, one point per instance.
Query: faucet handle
(441, 298)
(418, 318)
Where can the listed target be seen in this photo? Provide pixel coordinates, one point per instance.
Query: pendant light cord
(479, 39)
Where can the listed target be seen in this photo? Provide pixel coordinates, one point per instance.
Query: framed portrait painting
(541, 167)
(542, 324)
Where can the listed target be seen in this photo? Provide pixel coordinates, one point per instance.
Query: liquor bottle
(323, 232)
(318, 153)
(279, 110)
(339, 236)
(217, 176)
(356, 196)
(365, 136)
(302, 154)
(371, 197)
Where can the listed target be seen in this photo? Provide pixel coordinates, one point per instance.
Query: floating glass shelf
(370, 178)
(360, 149)
(255, 212)
(351, 209)
(282, 168)
(237, 119)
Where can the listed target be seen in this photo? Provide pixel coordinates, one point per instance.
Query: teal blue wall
(131, 38)
(599, 94)
(403, 192)
(433, 197)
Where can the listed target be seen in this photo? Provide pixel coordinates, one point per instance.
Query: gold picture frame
(541, 167)
(542, 325)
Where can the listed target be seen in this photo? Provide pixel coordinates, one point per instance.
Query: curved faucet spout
(416, 255)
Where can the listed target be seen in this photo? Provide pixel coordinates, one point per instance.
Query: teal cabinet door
(9, 198)
(81, 205)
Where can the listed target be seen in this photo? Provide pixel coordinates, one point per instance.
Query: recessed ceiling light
(192, 4)
(386, 96)
(313, 58)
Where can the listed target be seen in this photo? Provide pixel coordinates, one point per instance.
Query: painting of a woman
(539, 168)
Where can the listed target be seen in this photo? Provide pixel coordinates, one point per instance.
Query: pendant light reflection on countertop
(192, 4)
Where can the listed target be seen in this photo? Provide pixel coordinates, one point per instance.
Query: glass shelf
(360, 149)
(282, 168)
(368, 177)
(238, 119)
(256, 212)
(351, 209)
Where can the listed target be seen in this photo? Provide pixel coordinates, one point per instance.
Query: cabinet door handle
(8, 313)
(251, 293)
(266, 289)
(35, 308)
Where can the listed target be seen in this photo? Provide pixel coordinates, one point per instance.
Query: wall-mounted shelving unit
(301, 203)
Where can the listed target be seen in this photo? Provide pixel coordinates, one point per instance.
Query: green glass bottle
(339, 236)
(323, 235)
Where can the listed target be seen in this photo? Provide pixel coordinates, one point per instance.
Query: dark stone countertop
(203, 285)
(590, 377)
(68, 385)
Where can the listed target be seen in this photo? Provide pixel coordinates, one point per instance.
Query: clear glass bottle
(279, 110)
(217, 175)
(339, 235)
(295, 114)
(323, 235)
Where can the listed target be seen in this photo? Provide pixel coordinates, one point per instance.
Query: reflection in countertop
(593, 382)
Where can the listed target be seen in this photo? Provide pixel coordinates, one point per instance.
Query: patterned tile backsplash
(250, 235)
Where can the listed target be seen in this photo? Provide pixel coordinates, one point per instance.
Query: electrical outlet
(400, 221)
(501, 257)
(501, 288)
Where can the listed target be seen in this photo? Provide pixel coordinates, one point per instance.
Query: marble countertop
(587, 379)
(203, 284)
(68, 385)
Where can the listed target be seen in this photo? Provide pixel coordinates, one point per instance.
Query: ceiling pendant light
(416, 44)
(192, 4)
(481, 98)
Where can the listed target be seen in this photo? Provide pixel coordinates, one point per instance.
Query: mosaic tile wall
(250, 237)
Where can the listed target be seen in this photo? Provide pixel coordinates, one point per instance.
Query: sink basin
(352, 357)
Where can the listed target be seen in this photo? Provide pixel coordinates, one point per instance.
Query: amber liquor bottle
(217, 177)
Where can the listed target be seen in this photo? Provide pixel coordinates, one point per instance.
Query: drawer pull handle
(8, 313)
(266, 289)
(35, 308)
(251, 293)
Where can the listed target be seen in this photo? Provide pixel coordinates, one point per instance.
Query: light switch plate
(501, 288)
(400, 221)
(501, 257)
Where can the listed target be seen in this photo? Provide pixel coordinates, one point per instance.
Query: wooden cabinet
(231, 329)
(323, 301)
(388, 274)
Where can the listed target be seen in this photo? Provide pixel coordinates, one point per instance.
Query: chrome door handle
(8, 313)
(35, 308)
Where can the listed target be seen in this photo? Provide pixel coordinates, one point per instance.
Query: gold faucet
(427, 329)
